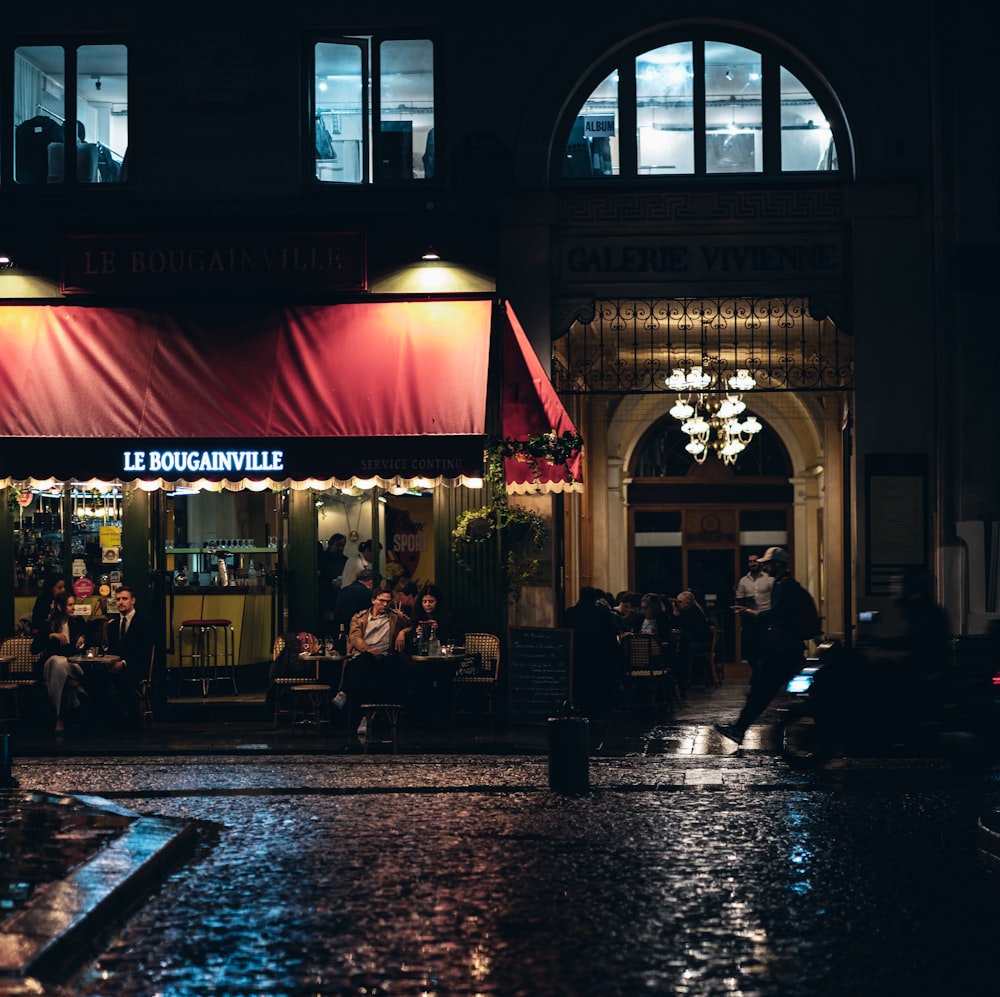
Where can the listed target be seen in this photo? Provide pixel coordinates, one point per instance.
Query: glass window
(398, 95)
(39, 109)
(406, 110)
(50, 97)
(340, 111)
(101, 112)
(592, 149)
(733, 126)
(700, 108)
(806, 140)
(665, 110)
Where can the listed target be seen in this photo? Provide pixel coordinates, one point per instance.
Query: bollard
(7, 780)
(569, 748)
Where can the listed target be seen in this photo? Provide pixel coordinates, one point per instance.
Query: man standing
(332, 562)
(353, 598)
(130, 638)
(753, 590)
(364, 560)
(782, 643)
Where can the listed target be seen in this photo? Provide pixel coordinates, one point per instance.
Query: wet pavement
(688, 868)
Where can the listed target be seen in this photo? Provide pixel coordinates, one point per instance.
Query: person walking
(782, 642)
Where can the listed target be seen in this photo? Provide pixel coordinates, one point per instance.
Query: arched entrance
(695, 526)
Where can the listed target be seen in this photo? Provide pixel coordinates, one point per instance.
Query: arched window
(662, 454)
(704, 107)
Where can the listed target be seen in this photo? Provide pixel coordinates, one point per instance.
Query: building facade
(685, 205)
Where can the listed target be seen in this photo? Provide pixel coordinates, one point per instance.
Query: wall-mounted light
(6, 263)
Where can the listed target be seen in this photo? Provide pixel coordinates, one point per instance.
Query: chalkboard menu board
(539, 662)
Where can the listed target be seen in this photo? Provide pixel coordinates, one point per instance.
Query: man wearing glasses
(373, 666)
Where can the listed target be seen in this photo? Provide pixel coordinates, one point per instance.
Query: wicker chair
(20, 672)
(647, 671)
(487, 646)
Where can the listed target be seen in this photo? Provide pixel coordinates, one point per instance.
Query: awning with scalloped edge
(380, 392)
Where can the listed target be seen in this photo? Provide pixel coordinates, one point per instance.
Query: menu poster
(540, 671)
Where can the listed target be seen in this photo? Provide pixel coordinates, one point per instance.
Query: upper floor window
(701, 108)
(65, 91)
(373, 109)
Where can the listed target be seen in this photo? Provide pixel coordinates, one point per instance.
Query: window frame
(773, 58)
(70, 43)
(373, 145)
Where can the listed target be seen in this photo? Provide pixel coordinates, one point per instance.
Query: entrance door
(712, 575)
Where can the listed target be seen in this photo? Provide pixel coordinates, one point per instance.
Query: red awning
(531, 407)
(390, 391)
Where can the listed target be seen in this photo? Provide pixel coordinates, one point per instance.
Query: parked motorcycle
(854, 702)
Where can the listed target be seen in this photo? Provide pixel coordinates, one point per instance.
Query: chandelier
(713, 422)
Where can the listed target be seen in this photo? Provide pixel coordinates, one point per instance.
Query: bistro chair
(486, 676)
(303, 698)
(20, 669)
(283, 701)
(145, 691)
(647, 671)
(711, 669)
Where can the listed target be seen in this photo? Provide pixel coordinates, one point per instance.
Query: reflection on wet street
(676, 875)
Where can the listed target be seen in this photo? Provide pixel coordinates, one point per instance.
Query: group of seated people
(106, 694)
(679, 625)
(382, 639)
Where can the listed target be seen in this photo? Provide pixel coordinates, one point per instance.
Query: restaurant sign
(301, 260)
(258, 459)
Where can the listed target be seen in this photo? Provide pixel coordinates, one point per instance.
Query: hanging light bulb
(696, 426)
(732, 406)
(682, 410)
(742, 380)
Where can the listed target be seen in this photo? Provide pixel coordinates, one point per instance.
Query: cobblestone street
(699, 872)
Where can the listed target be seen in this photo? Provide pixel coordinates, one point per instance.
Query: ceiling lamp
(713, 422)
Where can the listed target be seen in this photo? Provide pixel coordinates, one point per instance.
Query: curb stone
(61, 922)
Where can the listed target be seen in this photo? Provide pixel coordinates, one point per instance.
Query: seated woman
(653, 619)
(431, 613)
(694, 633)
(429, 682)
(64, 636)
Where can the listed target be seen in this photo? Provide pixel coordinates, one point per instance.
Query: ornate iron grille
(634, 346)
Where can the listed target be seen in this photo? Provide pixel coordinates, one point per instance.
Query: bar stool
(310, 706)
(383, 713)
(203, 654)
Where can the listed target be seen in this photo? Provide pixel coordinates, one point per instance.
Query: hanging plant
(554, 448)
(522, 534)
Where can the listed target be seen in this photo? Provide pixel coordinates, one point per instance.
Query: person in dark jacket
(595, 656)
(693, 635)
(783, 646)
(130, 639)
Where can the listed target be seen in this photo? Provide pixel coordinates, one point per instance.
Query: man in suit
(130, 638)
